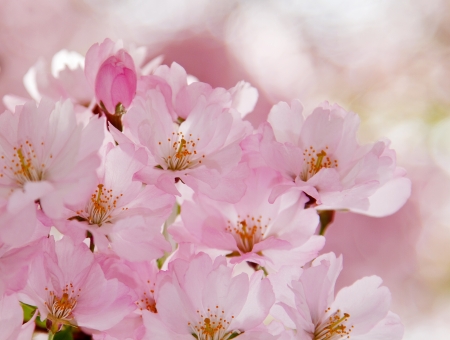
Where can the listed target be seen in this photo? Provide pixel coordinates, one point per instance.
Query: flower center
(182, 154)
(313, 161)
(148, 301)
(99, 208)
(334, 327)
(212, 325)
(247, 232)
(21, 165)
(60, 308)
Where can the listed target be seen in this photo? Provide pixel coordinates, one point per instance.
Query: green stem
(264, 270)
(326, 218)
(51, 335)
(257, 267)
(176, 210)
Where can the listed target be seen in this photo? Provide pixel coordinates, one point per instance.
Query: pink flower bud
(116, 81)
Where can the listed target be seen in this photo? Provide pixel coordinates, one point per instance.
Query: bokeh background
(389, 61)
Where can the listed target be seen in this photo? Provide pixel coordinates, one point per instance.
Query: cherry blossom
(63, 78)
(121, 212)
(92, 236)
(321, 156)
(202, 298)
(99, 53)
(45, 156)
(141, 277)
(198, 147)
(143, 280)
(118, 196)
(115, 83)
(181, 94)
(111, 73)
(360, 311)
(253, 229)
(69, 288)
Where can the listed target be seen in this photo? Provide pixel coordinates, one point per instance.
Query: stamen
(60, 308)
(21, 165)
(212, 325)
(334, 328)
(182, 154)
(100, 207)
(247, 232)
(315, 161)
(148, 300)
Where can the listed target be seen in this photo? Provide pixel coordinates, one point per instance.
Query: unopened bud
(116, 81)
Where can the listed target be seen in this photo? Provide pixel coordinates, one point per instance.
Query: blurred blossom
(440, 145)
(263, 41)
(432, 326)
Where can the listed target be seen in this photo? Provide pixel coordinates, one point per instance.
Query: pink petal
(365, 301)
(259, 300)
(389, 198)
(11, 316)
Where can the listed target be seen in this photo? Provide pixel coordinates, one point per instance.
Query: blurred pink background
(386, 60)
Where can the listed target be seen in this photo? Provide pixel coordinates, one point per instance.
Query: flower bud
(115, 83)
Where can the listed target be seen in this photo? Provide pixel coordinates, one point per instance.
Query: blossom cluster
(136, 202)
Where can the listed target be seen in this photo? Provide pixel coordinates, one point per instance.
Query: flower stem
(257, 267)
(264, 270)
(91, 240)
(51, 335)
(326, 218)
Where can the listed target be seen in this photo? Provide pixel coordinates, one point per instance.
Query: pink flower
(122, 213)
(118, 196)
(253, 229)
(360, 311)
(202, 298)
(143, 279)
(45, 155)
(65, 77)
(132, 238)
(112, 73)
(69, 288)
(320, 156)
(62, 78)
(181, 95)
(201, 149)
(116, 81)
